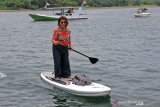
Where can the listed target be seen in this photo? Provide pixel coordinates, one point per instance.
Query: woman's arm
(54, 37)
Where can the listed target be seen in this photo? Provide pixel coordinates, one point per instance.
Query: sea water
(128, 50)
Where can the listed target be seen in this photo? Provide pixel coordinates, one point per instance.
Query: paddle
(92, 60)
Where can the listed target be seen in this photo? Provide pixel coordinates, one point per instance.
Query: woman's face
(63, 23)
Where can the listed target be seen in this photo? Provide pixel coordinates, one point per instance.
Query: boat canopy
(142, 9)
(59, 8)
(64, 8)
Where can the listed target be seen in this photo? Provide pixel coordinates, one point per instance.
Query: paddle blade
(93, 60)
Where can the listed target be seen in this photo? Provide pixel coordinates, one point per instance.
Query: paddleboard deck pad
(93, 89)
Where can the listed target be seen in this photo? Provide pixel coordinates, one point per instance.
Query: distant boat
(69, 12)
(142, 12)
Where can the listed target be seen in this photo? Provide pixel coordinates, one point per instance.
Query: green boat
(68, 12)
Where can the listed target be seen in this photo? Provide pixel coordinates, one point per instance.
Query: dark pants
(61, 61)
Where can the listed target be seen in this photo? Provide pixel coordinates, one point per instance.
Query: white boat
(142, 12)
(93, 89)
(69, 12)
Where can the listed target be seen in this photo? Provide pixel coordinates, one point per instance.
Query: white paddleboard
(93, 89)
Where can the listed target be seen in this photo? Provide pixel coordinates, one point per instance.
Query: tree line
(36, 4)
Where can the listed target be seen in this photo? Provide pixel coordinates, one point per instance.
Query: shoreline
(88, 8)
(122, 7)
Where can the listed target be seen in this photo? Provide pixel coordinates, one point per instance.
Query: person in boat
(70, 10)
(138, 12)
(61, 42)
(62, 11)
(142, 10)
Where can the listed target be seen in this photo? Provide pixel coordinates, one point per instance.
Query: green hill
(35, 4)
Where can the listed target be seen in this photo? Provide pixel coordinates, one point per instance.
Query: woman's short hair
(62, 18)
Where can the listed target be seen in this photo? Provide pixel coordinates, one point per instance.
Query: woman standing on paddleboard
(61, 42)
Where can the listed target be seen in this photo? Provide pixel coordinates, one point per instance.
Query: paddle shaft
(92, 60)
(75, 51)
(79, 52)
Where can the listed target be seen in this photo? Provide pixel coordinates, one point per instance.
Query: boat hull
(40, 17)
(142, 15)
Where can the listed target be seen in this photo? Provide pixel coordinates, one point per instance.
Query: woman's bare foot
(57, 78)
(69, 78)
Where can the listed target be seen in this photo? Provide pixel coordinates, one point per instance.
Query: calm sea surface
(128, 50)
